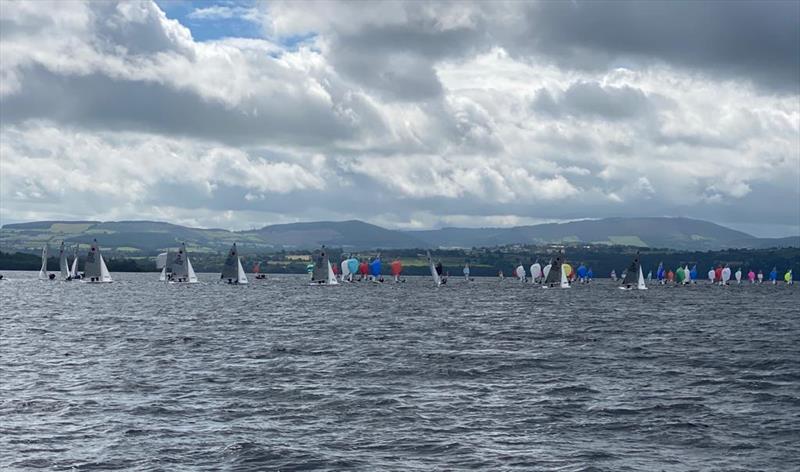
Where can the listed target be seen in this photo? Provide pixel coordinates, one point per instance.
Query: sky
(403, 114)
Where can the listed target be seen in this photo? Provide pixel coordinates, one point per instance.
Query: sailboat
(233, 270)
(397, 269)
(63, 265)
(95, 270)
(349, 269)
(322, 272)
(787, 277)
(178, 267)
(434, 273)
(466, 271)
(43, 275)
(635, 275)
(564, 274)
(536, 272)
(726, 276)
(520, 272)
(546, 271)
(582, 271)
(687, 275)
(738, 276)
(556, 275)
(73, 271)
(375, 269)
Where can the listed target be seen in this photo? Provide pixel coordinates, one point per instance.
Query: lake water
(488, 375)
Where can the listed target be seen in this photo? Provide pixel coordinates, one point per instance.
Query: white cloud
(434, 110)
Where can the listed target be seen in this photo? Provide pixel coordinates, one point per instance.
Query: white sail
(546, 271)
(434, 274)
(641, 285)
(242, 278)
(63, 265)
(536, 272)
(331, 276)
(43, 275)
(190, 270)
(564, 281)
(466, 272)
(345, 269)
(161, 260)
(73, 272)
(163, 276)
(726, 275)
(105, 276)
(738, 276)
(520, 271)
(687, 279)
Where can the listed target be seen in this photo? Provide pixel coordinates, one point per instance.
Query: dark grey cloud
(397, 61)
(757, 40)
(98, 101)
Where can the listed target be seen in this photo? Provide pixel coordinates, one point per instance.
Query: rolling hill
(141, 238)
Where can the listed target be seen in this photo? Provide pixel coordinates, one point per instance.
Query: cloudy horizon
(407, 115)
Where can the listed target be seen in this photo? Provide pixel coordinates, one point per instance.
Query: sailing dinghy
(434, 273)
(322, 272)
(556, 276)
(726, 276)
(178, 267)
(43, 275)
(397, 269)
(95, 270)
(73, 271)
(520, 272)
(536, 272)
(63, 265)
(233, 270)
(633, 275)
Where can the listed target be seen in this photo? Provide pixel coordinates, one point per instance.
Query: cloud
(404, 113)
(757, 41)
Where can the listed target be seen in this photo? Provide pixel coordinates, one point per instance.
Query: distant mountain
(149, 237)
(141, 238)
(345, 234)
(675, 233)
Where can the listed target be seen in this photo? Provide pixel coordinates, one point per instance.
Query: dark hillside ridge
(140, 238)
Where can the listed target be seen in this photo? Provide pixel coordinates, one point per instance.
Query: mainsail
(233, 270)
(95, 268)
(43, 275)
(554, 274)
(632, 274)
(434, 273)
(73, 272)
(63, 265)
(319, 274)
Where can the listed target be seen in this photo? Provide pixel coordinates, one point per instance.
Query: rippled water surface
(488, 375)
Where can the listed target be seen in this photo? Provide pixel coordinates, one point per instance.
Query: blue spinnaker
(352, 264)
(375, 268)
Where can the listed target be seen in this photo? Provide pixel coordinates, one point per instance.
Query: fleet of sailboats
(176, 267)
